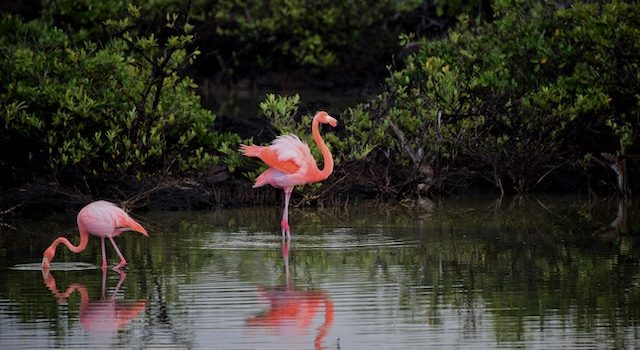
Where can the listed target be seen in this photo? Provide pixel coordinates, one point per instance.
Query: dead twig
(9, 211)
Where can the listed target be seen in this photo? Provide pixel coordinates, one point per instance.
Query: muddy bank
(207, 192)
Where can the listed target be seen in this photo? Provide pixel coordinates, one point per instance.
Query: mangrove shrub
(543, 91)
(114, 108)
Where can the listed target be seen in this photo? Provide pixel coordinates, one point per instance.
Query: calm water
(538, 273)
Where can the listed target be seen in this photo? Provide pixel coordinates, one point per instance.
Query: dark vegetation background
(102, 99)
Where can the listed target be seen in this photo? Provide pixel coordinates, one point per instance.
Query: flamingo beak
(138, 228)
(332, 121)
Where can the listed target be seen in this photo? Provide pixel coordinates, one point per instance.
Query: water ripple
(55, 266)
(338, 239)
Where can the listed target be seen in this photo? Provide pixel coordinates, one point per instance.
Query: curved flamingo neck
(326, 154)
(84, 240)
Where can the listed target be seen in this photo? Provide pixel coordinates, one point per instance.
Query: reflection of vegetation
(525, 262)
(510, 263)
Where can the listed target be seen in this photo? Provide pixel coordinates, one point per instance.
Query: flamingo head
(47, 257)
(324, 118)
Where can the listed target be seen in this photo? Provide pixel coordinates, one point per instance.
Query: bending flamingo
(102, 219)
(291, 163)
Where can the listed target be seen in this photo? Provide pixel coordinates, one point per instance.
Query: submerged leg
(104, 282)
(123, 261)
(285, 258)
(104, 254)
(123, 276)
(284, 224)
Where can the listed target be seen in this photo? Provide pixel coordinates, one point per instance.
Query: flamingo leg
(104, 254)
(123, 261)
(284, 224)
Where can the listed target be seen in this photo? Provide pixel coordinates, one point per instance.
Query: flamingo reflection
(106, 315)
(292, 308)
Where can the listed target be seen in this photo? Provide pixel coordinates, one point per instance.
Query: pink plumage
(105, 219)
(291, 163)
(102, 219)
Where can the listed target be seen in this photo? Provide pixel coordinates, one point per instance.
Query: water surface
(475, 273)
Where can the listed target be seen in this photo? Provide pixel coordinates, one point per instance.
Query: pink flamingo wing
(270, 157)
(124, 222)
(289, 148)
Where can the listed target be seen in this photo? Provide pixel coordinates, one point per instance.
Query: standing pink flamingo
(291, 163)
(102, 219)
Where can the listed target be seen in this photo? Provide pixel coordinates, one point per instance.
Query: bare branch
(416, 156)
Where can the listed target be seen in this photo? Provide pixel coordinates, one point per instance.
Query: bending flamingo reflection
(294, 309)
(106, 315)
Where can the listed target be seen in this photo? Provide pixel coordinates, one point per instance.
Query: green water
(475, 273)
